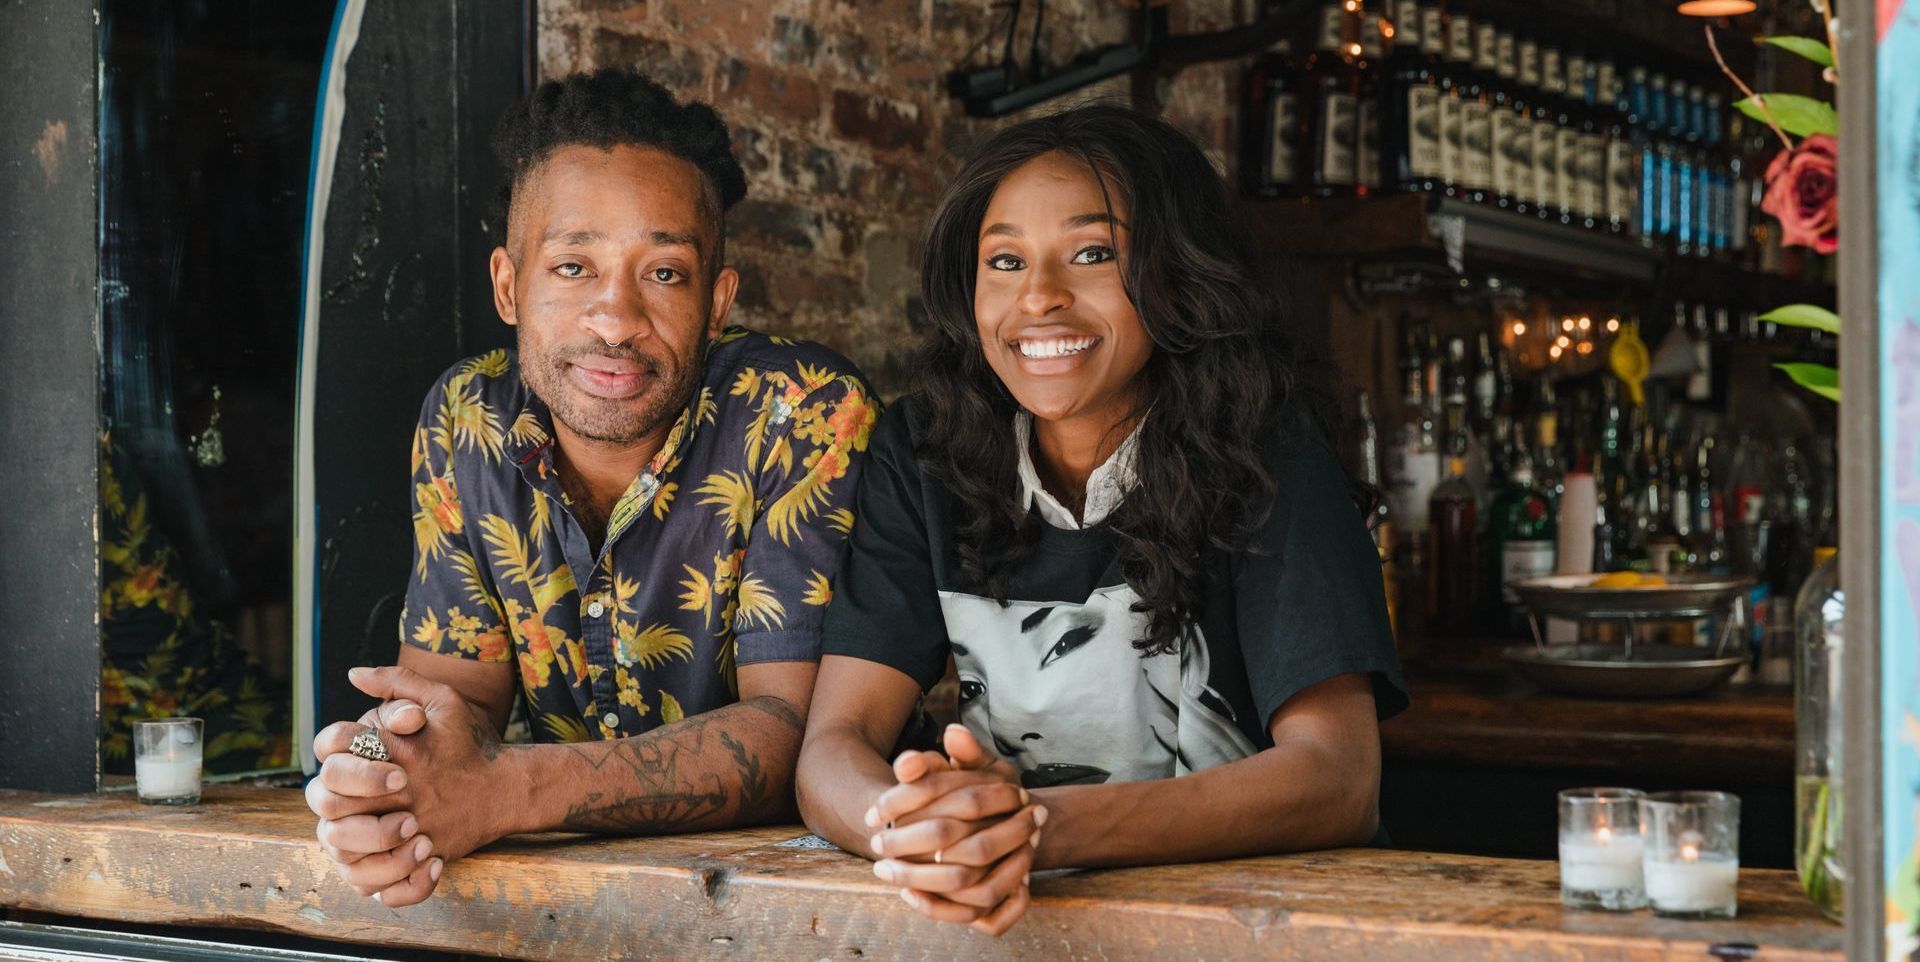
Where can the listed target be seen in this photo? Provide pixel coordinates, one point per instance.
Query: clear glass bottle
(1819, 853)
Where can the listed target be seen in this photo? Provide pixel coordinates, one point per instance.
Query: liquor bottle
(1526, 99)
(1456, 77)
(1640, 121)
(1680, 129)
(1567, 140)
(1549, 114)
(1548, 466)
(1333, 88)
(1270, 148)
(1367, 452)
(1509, 121)
(1413, 464)
(1409, 101)
(1589, 148)
(1477, 109)
(1451, 570)
(1621, 169)
(1526, 535)
(1366, 158)
(1660, 154)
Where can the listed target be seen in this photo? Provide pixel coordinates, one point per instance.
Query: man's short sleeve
(451, 606)
(807, 498)
(1309, 597)
(886, 605)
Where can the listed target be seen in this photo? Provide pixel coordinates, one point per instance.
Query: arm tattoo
(664, 795)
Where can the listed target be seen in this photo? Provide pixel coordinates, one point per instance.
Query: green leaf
(1797, 115)
(1814, 50)
(1818, 378)
(1804, 315)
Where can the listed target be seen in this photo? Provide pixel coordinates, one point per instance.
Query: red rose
(1803, 194)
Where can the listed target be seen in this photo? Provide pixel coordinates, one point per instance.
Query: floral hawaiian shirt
(720, 552)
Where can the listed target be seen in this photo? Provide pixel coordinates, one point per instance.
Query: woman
(1109, 504)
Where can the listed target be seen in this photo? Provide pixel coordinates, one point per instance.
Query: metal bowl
(1653, 671)
(1684, 596)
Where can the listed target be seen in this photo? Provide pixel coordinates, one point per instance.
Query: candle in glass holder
(166, 760)
(1600, 849)
(1692, 854)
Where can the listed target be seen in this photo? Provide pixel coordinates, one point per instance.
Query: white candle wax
(1708, 883)
(167, 777)
(1593, 863)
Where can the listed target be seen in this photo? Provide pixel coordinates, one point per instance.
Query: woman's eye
(1005, 262)
(1073, 638)
(971, 689)
(665, 275)
(1093, 255)
(570, 269)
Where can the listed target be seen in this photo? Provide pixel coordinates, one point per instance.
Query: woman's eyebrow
(1098, 217)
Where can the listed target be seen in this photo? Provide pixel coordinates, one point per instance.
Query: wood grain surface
(246, 858)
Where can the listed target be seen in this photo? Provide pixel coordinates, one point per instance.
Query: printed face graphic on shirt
(1059, 690)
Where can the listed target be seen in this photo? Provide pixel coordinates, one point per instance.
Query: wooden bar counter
(246, 858)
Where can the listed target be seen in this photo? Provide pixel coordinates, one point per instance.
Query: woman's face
(1053, 314)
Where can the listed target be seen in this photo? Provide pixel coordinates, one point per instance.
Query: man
(632, 516)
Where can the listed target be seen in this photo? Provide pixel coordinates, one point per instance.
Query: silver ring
(368, 745)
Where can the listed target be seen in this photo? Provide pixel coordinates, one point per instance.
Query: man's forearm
(731, 766)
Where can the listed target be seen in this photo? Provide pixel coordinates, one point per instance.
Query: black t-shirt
(1053, 679)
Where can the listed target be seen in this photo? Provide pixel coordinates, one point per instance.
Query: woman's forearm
(840, 777)
(1295, 796)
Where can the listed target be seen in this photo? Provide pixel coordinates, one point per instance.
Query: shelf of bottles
(1408, 97)
(1509, 435)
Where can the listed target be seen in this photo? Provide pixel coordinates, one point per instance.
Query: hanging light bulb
(1716, 8)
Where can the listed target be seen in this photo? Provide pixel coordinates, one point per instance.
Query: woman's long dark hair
(1217, 382)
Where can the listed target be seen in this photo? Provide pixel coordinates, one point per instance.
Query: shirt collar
(1107, 486)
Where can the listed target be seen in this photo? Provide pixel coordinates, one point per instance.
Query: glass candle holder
(1600, 850)
(166, 760)
(1692, 853)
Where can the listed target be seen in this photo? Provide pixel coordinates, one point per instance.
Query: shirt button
(595, 610)
(610, 720)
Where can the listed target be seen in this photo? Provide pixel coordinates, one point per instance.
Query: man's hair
(613, 107)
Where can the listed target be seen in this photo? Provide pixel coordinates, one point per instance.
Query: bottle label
(1423, 130)
(1623, 180)
(1476, 142)
(1512, 155)
(1566, 143)
(1449, 114)
(1412, 474)
(1521, 560)
(1546, 164)
(1407, 24)
(1282, 116)
(1592, 173)
(1336, 155)
(1459, 40)
(1431, 40)
(1366, 156)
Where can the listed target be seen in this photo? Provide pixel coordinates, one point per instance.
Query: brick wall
(839, 115)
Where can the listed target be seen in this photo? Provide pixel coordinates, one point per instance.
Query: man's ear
(500, 265)
(726, 285)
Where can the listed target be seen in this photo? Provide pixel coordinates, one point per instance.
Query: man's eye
(665, 275)
(1005, 262)
(1093, 255)
(570, 269)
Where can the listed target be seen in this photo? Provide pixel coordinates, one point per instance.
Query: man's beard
(667, 391)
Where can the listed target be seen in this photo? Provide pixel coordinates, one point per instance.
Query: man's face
(609, 274)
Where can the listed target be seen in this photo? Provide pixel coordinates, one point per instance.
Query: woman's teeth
(1055, 347)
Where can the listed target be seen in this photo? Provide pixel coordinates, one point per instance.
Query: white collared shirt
(1107, 486)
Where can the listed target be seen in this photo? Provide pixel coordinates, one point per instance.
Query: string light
(1585, 322)
(1566, 323)
(1519, 328)
(1613, 325)
(1562, 341)
(1554, 352)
